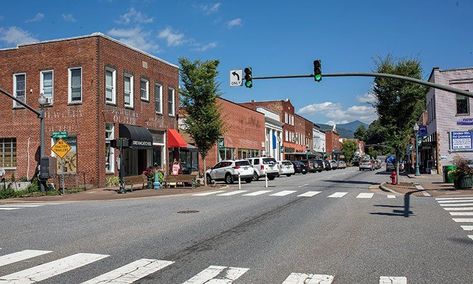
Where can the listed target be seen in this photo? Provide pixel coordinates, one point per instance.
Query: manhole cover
(187, 211)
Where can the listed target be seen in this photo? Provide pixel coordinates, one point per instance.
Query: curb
(383, 187)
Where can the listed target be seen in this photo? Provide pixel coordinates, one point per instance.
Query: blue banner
(274, 141)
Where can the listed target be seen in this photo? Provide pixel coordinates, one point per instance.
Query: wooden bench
(138, 182)
(179, 179)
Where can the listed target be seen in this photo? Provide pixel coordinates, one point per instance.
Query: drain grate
(188, 211)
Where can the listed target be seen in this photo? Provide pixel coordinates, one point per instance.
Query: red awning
(175, 139)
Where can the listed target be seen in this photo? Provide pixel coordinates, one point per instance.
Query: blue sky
(273, 37)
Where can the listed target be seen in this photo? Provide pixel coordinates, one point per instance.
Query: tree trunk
(205, 169)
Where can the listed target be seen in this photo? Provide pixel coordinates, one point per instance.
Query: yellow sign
(61, 148)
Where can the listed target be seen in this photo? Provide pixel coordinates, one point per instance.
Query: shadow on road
(352, 181)
(404, 213)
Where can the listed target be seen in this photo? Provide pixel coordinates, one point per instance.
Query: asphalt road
(294, 231)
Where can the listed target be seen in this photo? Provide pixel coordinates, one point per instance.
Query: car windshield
(286, 163)
(242, 163)
(268, 161)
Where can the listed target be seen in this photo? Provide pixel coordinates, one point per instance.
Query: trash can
(446, 169)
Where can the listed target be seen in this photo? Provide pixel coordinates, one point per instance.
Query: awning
(139, 137)
(175, 139)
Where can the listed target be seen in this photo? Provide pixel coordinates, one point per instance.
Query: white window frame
(173, 113)
(113, 100)
(15, 104)
(112, 150)
(41, 85)
(286, 118)
(160, 98)
(69, 86)
(132, 99)
(147, 89)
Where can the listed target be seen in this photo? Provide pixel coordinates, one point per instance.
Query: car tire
(248, 180)
(271, 177)
(304, 172)
(209, 179)
(228, 179)
(255, 176)
(288, 175)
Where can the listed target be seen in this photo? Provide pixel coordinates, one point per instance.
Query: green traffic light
(318, 77)
(248, 84)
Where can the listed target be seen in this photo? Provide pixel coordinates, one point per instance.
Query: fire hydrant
(393, 177)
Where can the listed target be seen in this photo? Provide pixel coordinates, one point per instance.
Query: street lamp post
(416, 131)
(42, 103)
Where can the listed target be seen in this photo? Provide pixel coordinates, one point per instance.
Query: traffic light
(317, 70)
(248, 77)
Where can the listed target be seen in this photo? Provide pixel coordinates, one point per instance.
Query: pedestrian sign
(61, 148)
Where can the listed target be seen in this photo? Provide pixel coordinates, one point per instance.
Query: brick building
(97, 89)
(332, 143)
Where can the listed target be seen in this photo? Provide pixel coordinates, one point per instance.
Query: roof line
(240, 105)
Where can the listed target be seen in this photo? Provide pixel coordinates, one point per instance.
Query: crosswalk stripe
(461, 213)
(454, 198)
(454, 201)
(302, 278)
(232, 193)
(338, 194)
(457, 205)
(207, 193)
(131, 272)
(391, 196)
(458, 208)
(9, 209)
(21, 255)
(467, 228)
(309, 194)
(392, 280)
(463, 220)
(365, 195)
(257, 193)
(283, 193)
(50, 269)
(230, 274)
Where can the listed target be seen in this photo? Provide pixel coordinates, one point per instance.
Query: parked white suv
(263, 166)
(286, 168)
(228, 171)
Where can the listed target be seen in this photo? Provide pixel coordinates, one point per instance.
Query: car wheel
(228, 179)
(304, 172)
(209, 179)
(248, 180)
(271, 177)
(255, 176)
(288, 175)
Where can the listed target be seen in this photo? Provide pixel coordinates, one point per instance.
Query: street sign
(61, 148)
(60, 134)
(461, 141)
(236, 78)
(422, 131)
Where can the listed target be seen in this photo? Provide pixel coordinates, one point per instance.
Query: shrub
(112, 181)
(463, 168)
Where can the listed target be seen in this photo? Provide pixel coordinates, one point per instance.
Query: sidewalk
(111, 194)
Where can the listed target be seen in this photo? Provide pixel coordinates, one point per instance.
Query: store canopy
(175, 139)
(138, 137)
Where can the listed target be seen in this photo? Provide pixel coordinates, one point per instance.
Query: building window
(109, 151)
(46, 85)
(7, 153)
(110, 86)
(144, 89)
(128, 90)
(158, 100)
(171, 102)
(286, 118)
(75, 85)
(463, 106)
(19, 88)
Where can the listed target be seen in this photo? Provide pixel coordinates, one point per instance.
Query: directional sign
(236, 78)
(59, 134)
(61, 148)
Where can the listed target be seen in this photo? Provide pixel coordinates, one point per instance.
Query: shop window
(128, 90)
(75, 85)
(47, 85)
(144, 89)
(171, 102)
(7, 153)
(158, 101)
(110, 86)
(19, 88)
(109, 151)
(70, 160)
(463, 106)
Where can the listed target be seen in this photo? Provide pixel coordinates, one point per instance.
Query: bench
(171, 180)
(134, 181)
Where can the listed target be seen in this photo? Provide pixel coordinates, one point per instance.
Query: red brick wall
(332, 141)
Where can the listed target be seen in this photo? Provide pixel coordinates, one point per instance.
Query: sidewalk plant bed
(463, 174)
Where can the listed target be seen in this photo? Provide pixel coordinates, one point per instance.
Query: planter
(463, 182)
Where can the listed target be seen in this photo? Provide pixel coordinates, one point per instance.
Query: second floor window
(19, 88)
(110, 83)
(128, 90)
(75, 85)
(47, 85)
(158, 93)
(171, 102)
(463, 106)
(144, 89)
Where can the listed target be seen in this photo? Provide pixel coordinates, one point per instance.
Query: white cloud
(205, 47)
(210, 9)
(234, 23)
(15, 36)
(335, 113)
(172, 38)
(368, 98)
(69, 18)
(38, 17)
(135, 37)
(133, 16)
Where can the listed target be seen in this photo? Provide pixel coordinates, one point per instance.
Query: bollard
(266, 178)
(239, 181)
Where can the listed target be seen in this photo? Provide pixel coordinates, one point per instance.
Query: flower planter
(463, 182)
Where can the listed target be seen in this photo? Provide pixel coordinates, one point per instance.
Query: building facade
(273, 134)
(449, 120)
(333, 145)
(97, 90)
(318, 140)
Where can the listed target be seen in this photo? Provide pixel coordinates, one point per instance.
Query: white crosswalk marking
(309, 194)
(467, 228)
(338, 194)
(257, 193)
(229, 274)
(461, 213)
(463, 220)
(454, 198)
(21, 255)
(9, 208)
(456, 205)
(207, 193)
(50, 269)
(302, 278)
(131, 272)
(391, 196)
(232, 193)
(454, 201)
(365, 195)
(392, 280)
(283, 193)
(22, 205)
(458, 208)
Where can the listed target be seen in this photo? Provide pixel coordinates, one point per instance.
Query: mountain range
(346, 130)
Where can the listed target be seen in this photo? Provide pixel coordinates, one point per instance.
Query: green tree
(349, 148)
(399, 103)
(376, 138)
(360, 133)
(199, 94)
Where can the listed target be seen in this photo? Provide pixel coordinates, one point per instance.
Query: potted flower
(463, 174)
(149, 173)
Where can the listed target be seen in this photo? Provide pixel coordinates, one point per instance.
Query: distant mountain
(346, 130)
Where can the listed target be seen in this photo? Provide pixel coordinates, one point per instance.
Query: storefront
(139, 154)
(179, 150)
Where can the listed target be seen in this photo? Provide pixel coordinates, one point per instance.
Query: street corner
(403, 188)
